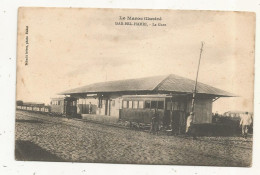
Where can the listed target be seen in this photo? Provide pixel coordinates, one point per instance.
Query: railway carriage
(141, 108)
(32, 106)
(64, 106)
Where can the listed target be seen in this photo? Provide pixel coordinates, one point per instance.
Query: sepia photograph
(132, 86)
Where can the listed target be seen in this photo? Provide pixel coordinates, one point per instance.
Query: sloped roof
(180, 84)
(166, 83)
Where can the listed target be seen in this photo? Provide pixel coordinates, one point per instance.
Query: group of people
(155, 122)
(245, 122)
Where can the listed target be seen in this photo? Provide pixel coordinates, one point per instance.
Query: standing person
(152, 124)
(172, 123)
(188, 122)
(155, 123)
(245, 122)
(90, 108)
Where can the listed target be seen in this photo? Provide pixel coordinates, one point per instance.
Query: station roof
(161, 84)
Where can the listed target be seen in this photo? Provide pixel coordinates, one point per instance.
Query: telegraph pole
(195, 86)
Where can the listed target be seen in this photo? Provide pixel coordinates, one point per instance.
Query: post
(195, 86)
(171, 114)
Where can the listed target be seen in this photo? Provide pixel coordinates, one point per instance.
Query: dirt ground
(45, 138)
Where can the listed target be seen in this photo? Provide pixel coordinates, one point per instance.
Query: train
(34, 107)
(58, 107)
(136, 109)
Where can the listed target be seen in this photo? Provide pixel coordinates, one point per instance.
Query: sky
(70, 47)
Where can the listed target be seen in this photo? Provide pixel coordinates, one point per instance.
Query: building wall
(202, 110)
(83, 105)
(102, 110)
(113, 103)
(110, 106)
(115, 106)
(59, 109)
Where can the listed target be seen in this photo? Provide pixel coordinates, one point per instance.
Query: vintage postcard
(135, 86)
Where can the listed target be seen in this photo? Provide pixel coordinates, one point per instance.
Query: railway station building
(136, 99)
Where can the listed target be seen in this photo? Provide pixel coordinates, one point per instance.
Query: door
(106, 107)
(109, 111)
(167, 118)
(176, 121)
(70, 106)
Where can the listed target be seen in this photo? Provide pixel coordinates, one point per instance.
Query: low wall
(100, 118)
(215, 129)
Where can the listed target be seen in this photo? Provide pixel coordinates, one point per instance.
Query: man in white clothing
(189, 121)
(245, 122)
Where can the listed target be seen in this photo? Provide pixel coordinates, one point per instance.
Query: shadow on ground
(28, 121)
(28, 151)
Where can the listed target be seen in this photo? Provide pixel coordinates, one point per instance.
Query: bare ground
(45, 138)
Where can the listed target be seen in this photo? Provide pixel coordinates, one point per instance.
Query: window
(160, 104)
(154, 104)
(141, 104)
(58, 102)
(135, 104)
(125, 104)
(130, 104)
(147, 104)
(113, 103)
